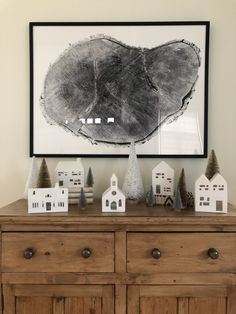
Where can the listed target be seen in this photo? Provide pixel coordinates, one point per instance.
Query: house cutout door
(219, 206)
(113, 206)
(48, 206)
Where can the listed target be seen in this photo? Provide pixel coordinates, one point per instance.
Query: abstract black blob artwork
(101, 92)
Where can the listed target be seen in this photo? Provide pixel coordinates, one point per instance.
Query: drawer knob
(213, 253)
(156, 253)
(29, 253)
(86, 252)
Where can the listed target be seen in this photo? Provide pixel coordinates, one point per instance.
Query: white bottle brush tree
(32, 179)
(133, 184)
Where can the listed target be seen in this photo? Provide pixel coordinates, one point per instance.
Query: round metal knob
(156, 253)
(213, 253)
(29, 253)
(86, 252)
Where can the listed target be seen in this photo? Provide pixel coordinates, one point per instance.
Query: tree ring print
(109, 92)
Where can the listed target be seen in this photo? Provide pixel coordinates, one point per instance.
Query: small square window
(110, 120)
(90, 121)
(97, 120)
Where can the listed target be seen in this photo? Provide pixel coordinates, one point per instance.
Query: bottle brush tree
(82, 200)
(212, 165)
(178, 202)
(150, 200)
(44, 180)
(90, 180)
(182, 188)
(32, 179)
(133, 184)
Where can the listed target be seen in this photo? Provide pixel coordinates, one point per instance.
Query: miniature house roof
(202, 180)
(218, 179)
(113, 179)
(52, 192)
(163, 166)
(70, 165)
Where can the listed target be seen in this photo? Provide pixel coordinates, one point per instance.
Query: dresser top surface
(135, 214)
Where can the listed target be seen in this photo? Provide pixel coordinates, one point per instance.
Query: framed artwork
(97, 87)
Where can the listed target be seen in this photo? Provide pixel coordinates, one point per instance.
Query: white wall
(14, 82)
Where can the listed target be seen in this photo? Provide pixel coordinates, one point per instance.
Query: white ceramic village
(210, 195)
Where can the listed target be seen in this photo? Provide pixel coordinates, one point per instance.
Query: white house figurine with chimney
(48, 200)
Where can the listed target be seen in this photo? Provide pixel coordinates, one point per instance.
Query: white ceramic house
(113, 199)
(162, 182)
(70, 174)
(211, 195)
(48, 200)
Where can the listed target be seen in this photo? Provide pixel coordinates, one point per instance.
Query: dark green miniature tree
(90, 181)
(178, 202)
(150, 200)
(212, 165)
(82, 200)
(182, 188)
(44, 180)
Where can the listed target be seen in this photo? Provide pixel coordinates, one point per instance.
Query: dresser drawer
(181, 252)
(57, 252)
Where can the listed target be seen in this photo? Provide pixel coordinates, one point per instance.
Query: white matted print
(96, 87)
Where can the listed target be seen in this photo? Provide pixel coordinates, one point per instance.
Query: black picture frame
(48, 137)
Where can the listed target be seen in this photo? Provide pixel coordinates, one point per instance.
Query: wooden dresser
(147, 261)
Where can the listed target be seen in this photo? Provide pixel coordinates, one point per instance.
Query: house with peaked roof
(162, 182)
(48, 200)
(113, 199)
(211, 195)
(70, 174)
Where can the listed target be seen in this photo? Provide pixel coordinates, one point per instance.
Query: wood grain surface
(121, 276)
